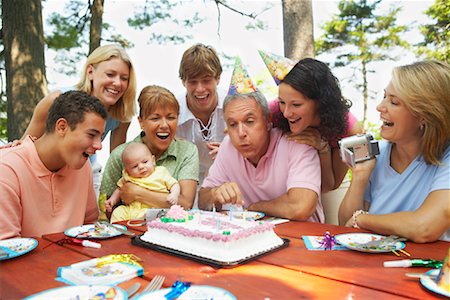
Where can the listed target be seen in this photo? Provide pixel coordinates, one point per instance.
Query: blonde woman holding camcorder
(405, 191)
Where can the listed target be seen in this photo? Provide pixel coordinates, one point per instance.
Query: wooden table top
(358, 268)
(290, 273)
(254, 280)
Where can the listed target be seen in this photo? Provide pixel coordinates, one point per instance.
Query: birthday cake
(211, 235)
(443, 279)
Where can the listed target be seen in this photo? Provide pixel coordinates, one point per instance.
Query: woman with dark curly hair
(311, 109)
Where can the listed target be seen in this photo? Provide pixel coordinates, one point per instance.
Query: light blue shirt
(389, 191)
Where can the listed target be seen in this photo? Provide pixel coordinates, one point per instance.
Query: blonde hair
(425, 89)
(200, 60)
(153, 97)
(125, 108)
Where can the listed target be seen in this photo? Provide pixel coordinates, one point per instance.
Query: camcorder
(358, 148)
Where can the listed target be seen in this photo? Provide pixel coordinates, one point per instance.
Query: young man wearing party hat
(257, 167)
(201, 116)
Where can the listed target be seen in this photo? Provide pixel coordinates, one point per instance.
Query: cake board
(213, 263)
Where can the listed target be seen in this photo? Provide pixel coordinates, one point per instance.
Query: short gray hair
(257, 96)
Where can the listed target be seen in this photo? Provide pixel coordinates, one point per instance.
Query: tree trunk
(95, 32)
(365, 92)
(298, 29)
(26, 81)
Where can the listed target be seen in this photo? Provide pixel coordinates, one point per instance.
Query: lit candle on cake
(187, 217)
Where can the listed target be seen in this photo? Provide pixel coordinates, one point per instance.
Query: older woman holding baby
(158, 118)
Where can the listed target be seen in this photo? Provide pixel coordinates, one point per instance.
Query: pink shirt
(285, 165)
(35, 201)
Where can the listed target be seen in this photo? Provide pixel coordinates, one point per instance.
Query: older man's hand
(227, 193)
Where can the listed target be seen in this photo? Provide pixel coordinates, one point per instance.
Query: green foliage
(266, 85)
(257, 25)
(374, 129)
(155, 12)
(70, 30)
(69, 33)
(369, 36)
(437, 34)
(359, 36)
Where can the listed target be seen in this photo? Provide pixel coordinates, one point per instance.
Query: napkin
(313, 242)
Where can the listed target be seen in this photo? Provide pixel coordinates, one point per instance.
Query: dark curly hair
(314, 80)
(73, 106)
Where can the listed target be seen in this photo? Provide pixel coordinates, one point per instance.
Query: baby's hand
(172, 199)
(108, 206)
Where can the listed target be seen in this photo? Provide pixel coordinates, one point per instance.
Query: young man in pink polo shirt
(45, 184)
(257, 166)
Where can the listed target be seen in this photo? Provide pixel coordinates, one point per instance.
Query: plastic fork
(133, 289)
(154, 285)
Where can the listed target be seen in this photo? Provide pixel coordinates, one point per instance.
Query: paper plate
(430, 284)
(14, 247)
(82, 292)
(249, 215)
(90, 231)
(194, 292)
(357, 241)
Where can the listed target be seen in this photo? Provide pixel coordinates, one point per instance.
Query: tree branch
(252, 15)
(218, 18)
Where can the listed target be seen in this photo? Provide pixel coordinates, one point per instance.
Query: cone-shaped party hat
(241, 83)
(278, 66)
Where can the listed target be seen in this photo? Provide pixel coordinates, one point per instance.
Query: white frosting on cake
(213, 236)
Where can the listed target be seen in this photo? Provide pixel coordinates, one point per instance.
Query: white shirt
(189, 128)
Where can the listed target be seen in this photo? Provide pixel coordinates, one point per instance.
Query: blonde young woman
(406, 190)
(108, 74)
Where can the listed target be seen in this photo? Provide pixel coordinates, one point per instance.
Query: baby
(140, 169)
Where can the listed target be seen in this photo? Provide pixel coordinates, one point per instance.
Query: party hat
(278, 66)
(241, 83)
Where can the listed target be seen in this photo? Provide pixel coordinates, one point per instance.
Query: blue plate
(81, 292)
(194, 292)
(358, 241)
(90, 231)
(14, 247)
(430, 284)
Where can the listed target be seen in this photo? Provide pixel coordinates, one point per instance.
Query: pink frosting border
(181, 229)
